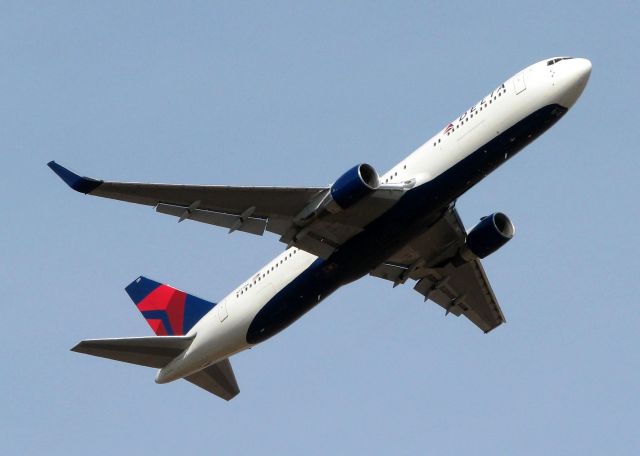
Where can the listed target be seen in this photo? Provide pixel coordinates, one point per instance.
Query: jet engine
(491, 233)
(352, 186)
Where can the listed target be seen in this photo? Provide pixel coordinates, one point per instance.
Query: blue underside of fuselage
(416, 211)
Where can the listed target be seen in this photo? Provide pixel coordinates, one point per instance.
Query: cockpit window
(552, 61)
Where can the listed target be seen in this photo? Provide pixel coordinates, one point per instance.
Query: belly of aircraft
(418, 209)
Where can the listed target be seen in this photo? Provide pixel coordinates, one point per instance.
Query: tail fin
(167, 310)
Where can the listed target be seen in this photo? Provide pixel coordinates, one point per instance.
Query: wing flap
(152, 351)
(219, 198)
(389, 271)
(234, 222)
(463, 290)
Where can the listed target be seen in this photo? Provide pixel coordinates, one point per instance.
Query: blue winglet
(78, 183)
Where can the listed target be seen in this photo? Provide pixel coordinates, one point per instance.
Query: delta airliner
(397, 226)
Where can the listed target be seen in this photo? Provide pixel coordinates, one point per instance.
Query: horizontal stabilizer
(145, 351)
(218, 379)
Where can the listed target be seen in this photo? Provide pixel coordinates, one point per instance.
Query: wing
(460, 286)
(291, 212)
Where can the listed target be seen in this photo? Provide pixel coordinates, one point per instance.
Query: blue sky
(295, 93)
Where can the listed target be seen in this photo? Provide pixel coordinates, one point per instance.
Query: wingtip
(78, 183)
(232, 395)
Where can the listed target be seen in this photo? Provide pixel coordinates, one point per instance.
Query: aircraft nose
(575, 78)
(582, 72)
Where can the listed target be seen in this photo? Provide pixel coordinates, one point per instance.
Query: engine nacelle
(352, 186)
(490, 234)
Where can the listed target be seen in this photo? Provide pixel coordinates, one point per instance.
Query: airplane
(397, 226)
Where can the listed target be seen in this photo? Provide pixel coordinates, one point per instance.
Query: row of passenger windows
(264, 274)
(393, 174)
(484, 105)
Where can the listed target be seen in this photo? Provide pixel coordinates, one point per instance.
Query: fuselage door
(518, 83)
(222, 310)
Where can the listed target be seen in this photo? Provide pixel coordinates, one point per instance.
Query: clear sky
(295, 93)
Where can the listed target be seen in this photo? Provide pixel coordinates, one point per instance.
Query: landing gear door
(518, 83)
(222, 310)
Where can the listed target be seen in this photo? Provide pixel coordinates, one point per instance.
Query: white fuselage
(223, 331)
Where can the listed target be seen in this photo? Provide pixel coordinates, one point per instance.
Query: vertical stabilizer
(169, 311)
